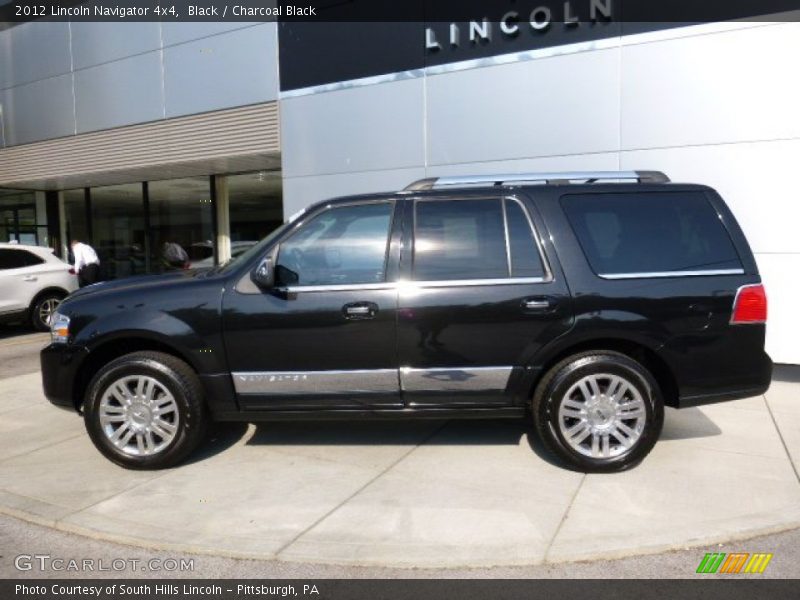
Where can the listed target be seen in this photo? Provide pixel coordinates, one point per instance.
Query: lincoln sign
(538, 20)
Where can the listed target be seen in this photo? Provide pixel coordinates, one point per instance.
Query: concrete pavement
(19, 350)
(419, 494)
(27, 539)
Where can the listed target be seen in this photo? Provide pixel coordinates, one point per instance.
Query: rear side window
(459, 239)
(650, 233)
(466, 239)
(16, 259)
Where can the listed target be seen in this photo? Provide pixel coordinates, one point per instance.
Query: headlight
(59, 328)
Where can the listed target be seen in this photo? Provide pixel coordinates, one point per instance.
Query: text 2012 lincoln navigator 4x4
(589, 301)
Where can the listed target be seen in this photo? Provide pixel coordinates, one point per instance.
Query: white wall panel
(368, 128)
(177, 33)
(608, 161)
(299, 192)
(119, 93)
(33, 51)
(94, 43)
(547, 107)
(39, 110)
(234, 68)
(722, 87)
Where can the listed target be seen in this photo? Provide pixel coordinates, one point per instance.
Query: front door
(325, 337)
(481, 300)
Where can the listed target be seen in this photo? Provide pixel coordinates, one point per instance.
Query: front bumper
(60, 365)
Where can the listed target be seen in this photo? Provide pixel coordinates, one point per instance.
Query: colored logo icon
(734, 563)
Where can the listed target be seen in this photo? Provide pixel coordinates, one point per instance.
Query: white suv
(33, 282)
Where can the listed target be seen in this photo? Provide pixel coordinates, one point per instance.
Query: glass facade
(18, 218)
(158, 226)
(75, 214)
(256, 207)
(181, 224)
(118, 229)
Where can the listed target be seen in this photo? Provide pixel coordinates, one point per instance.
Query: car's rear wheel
(145, 410)
(599, 411)
(43, 309)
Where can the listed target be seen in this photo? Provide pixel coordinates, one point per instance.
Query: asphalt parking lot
(367, 499)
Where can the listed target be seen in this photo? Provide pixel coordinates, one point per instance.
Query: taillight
(750, 305)
(72, 271)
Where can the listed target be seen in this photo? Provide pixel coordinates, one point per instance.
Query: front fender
(197, 339)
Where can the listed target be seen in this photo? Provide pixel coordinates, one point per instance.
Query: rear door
(480, 300)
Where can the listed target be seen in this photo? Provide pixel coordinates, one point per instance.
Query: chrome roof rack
(564, 177)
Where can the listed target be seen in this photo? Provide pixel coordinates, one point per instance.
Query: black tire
(564, 377)
(188, 418)
(38, 306)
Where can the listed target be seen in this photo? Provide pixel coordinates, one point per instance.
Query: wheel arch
(111, 349)
(639, 352)
(53, 289)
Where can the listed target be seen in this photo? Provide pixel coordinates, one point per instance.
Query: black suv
(588, 300)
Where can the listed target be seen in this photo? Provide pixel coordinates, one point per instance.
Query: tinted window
(340, 246)
(459, 239)
(16, 259)
(525, 258)
(650, 233)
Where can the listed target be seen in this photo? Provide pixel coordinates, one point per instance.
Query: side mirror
(264, 274)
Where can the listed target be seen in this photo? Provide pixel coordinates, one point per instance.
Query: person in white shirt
(87, 264)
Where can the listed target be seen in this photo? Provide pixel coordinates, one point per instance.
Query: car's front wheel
(43, 309)
(145, 410)
(599, 411)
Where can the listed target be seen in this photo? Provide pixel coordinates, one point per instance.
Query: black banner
(429, 11)
(400, 589)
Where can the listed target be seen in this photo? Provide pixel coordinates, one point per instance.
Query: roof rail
(555, 177)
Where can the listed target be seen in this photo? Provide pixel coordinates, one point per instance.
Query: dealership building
(130, 135)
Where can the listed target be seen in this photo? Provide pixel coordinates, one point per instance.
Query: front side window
(654, 232)
(341, 246)
(466, 239)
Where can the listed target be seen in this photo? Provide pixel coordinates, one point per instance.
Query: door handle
(360, 310)
(539, 303)
(30, 278)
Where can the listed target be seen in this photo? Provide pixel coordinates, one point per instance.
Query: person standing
(87, 264)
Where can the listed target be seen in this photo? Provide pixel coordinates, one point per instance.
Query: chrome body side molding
(374, 381)
(316, 382)
(470, 379)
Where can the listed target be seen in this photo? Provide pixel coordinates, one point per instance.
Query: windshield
(245, 257)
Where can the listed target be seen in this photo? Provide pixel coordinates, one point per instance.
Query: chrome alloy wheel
(138, 415)
(46, 310)
(602, 416)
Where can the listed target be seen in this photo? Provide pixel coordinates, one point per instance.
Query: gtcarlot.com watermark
(46, 562)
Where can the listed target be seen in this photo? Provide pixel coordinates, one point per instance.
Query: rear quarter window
(650, 233)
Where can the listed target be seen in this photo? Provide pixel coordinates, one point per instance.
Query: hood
(139, 283)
